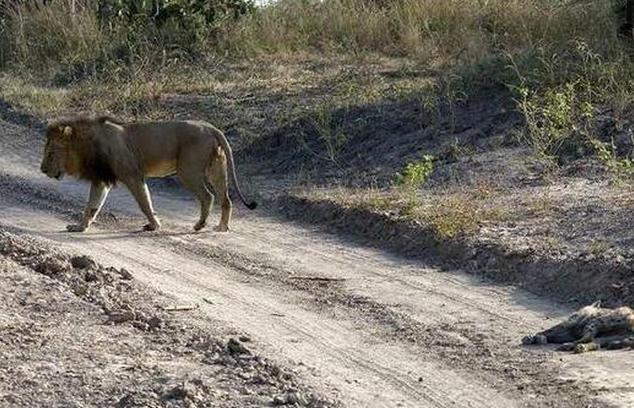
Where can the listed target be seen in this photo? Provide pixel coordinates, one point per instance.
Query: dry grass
(47, 37)
(433, 31)
(450, 48)
(449, 215)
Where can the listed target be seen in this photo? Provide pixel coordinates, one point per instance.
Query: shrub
(415, 174)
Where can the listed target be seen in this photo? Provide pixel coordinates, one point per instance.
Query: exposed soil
(75, 333)
(579, 274)
(383, 313)
(350, 323)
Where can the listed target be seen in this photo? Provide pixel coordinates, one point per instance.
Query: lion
(590, 328)
(106, 151)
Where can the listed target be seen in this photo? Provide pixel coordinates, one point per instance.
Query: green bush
(187, 25)
(415, 174)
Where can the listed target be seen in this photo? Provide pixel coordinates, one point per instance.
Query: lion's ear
(68, 131)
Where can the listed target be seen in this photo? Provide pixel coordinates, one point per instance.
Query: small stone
(294, 398)
(183, 391)
(125, 401)
(235, 347)
(82, 262)
(121, 317)
(90, 276)
(154, 322)
(244, 339)
(125, 274)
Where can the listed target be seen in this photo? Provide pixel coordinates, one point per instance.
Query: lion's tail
(224, 143)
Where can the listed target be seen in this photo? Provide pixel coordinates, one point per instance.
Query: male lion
(590, 328)
(104, 151)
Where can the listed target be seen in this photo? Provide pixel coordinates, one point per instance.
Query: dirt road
(375, 331)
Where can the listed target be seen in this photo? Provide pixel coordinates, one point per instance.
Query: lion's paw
(586, 347)
(151, 227)
(221, 228)
(199, 226)
(75, 228)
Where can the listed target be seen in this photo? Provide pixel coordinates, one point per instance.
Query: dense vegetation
(561, 58)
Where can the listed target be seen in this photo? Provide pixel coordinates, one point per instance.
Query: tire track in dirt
(336, 350)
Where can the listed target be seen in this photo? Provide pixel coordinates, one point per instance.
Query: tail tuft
(252, 205)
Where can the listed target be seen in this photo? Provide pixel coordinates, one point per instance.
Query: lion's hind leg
(192, 171)
(219, 181)
(608, 343)
(195, 181)
(206, 200)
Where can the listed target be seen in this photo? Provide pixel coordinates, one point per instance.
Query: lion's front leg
(98, 193)
(141, 193)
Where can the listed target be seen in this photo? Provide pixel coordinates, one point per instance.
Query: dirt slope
(76, 333)
(382, 331)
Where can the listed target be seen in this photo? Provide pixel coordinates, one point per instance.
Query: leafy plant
(161, 11)
(330, 132)
(415, 174)
(607, 154)
(179, 25)
(549, 119)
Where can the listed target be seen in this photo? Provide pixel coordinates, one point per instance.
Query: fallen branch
(180, 308)
(318, 278)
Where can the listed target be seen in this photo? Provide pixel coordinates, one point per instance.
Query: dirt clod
(121, 317)
(82, 262)
(125, 274)
(235, 347)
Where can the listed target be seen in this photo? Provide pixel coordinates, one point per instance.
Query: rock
(90, 276)
(295, 398)
(121, 317)
(125, 274)
(52, 267)
(244, 339)
(125, 401)
(183, 391)
(154, 322)
(82, 262)
(235, 347)
(291, 398)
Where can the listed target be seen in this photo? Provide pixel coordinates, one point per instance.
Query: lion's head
(59, 158)
(74, 147)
